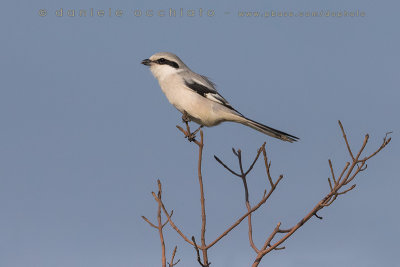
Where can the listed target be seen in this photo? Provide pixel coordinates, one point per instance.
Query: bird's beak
(146, 62)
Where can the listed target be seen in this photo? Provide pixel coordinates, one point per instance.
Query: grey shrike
(195, 96)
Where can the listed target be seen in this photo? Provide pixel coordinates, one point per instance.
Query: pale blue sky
(86, 131)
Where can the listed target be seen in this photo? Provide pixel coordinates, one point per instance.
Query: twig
(203, 206)
(170, 220)
(332, 172)
(267, 166)
(160, 225)
(345, 139)
(147, 220)
(338, 186)
(171, 263)
(272, 235)
(345, 191)
(343, 180)
(259, 204)
(172, 212)
(198, 253)
(226, 167)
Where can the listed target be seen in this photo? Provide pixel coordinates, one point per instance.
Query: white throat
(162, 72)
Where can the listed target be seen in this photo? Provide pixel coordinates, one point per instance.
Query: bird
(197, 98)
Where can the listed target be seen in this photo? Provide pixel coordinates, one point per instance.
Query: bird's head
(163, 64)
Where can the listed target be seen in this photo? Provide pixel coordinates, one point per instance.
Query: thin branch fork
(191, 137)
(171, 221)
(172, 263)
(160, 227)
(259, 204)
(337, 187)
(204, 247)
(345, 178)
(243, 175)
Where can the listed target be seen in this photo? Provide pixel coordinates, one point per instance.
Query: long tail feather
(268, 130)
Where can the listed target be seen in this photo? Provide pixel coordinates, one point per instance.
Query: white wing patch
(208, 92)
(218, 98)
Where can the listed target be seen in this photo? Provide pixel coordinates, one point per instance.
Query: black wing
(208, 93)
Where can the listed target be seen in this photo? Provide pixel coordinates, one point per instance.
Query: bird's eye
(161, 60)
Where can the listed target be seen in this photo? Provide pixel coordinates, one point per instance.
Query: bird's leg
(198, 129)
(186, 119)
(192, 136)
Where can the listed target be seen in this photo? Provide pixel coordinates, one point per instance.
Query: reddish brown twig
(243, 175)
(203, 246)
(259, 204)
(202, 200)
(349, 172)
(338, 185)
(160, 227)
(173, 225)
(172, 263)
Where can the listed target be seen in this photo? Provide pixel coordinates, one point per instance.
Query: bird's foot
(192, 136)
(188, 134)
(198, 129)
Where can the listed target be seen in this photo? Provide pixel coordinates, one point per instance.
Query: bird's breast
(202, 110)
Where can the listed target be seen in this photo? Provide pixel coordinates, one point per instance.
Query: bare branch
(332, 172)
(384, 143)
(343, 171)
(359, 168)
(160, 225)
(259, 204)
(267, 166)
(171, 263)
(338, 186)
(362, 148)
(272, 235)
(147, 220)
(345, 191)
(363, 169)
(329, 201)
(198, 253)
(170, 220)
(202, 200)
(251, 229)
(329, 198)
(284, 230)
(243, 175)
(226, 167)
(330, 184)
(234, 151)
(345, 139)
(239, 156)
(172, 212)
(183, 131)
(316, 215)
(255, 159)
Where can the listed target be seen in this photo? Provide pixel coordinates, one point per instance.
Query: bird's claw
(192, 136)
(198, 129)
